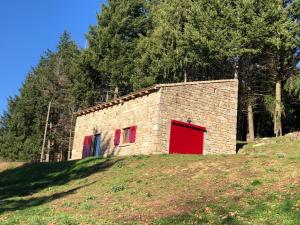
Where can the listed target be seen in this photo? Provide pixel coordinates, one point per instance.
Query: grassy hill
(260, 185)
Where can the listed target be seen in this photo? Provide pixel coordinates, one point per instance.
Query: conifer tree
(52, 80)
(113, 42)
(163, 55)
(282, 44)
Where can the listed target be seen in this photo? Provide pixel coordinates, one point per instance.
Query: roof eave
(117, 101)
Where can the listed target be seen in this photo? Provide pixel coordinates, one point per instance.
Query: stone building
(190, 118)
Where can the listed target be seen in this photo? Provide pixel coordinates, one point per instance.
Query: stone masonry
(212, 104)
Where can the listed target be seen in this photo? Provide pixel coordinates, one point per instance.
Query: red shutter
(87, 146)
(132, 136)
(117, 136)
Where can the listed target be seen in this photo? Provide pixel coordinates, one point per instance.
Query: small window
(129, 135)
(126, 135)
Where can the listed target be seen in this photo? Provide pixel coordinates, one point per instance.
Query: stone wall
(141, 112)
(212, 104)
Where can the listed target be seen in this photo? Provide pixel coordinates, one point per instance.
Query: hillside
(260, 185)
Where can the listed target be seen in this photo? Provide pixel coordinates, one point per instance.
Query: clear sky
(29, 27)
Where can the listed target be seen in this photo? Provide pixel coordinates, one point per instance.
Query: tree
(53, 80)
(224, 34)
(163, 55)
(113, 42)
(282, 46)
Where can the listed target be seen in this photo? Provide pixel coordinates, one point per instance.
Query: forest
(139, 43)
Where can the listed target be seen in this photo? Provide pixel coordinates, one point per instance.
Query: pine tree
(52, 80)
(228, 34)
(282, 45)
(113, 42)
(163, 55)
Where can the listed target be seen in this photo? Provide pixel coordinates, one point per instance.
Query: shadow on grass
(29, 179)
(20, 204)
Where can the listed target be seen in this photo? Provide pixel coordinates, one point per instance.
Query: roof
(143, 92)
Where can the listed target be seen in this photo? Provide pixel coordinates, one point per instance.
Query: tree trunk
(107, 96)
(70, 136)
(49, 144)
(250, 136)
(45, 133)
(185, 76)
(278, 110)
(116, 94)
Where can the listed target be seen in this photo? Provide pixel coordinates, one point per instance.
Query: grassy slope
(259, 186)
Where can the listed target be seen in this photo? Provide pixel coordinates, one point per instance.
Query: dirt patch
(8, 165)
(3, 165)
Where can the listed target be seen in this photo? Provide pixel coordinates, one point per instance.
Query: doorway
(97, 145)
(186, 138)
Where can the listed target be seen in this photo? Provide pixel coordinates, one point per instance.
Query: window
(126, 135)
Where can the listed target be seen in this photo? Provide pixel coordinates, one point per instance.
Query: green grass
(260, 185)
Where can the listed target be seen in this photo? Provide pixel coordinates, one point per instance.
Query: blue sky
(30, 27)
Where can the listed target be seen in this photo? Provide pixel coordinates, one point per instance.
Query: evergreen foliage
(113, 43)
(56, 78)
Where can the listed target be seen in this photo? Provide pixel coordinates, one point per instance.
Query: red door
(186, 138)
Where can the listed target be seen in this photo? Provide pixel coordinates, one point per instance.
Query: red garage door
(186, 138)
